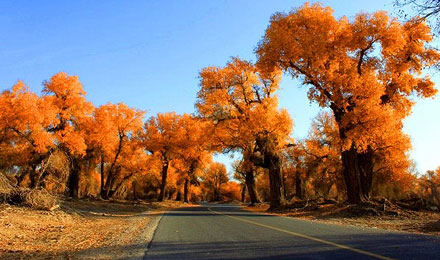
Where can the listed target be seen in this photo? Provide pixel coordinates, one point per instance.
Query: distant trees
(160, 137)
(214, 177)
(194, 150)
(430, 186)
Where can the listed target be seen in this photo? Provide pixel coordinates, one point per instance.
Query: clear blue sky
(147, 54)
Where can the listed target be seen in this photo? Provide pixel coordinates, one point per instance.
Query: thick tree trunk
(358, 174)
(215, 195)
(351, 174)
(164, 180)
(243, 192)
(178, 196)
(73, 180)
(109, 184)
(357, 167)
(276, 189)
(250, 185)
(170, 195)
(269, 159)
(185, 190)
(365, 161)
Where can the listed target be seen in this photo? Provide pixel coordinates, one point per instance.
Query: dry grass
(6, 188)
(393, 218)
(38, 199)
(77, 230)
(34, 198)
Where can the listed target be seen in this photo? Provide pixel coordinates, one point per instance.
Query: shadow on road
(203, 211)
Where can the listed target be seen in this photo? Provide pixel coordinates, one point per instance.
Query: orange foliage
(66, 95)
(24, 118)
(213, 178)
(364, 70)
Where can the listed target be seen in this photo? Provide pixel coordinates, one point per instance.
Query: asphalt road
(214, 231)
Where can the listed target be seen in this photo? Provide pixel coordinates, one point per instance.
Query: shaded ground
(79, 229)
(424, 221)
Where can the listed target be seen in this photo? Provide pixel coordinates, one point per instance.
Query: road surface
(215, 231)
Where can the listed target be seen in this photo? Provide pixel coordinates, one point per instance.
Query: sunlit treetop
(24, 117)
(242, 102)
(112, 124)
(66, 95)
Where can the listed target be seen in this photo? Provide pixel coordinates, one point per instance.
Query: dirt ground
(79, 230)
(426, 222)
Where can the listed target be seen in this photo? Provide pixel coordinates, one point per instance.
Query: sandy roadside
(80, 230)
(421, 222)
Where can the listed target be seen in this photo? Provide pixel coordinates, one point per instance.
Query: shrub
(34, 198)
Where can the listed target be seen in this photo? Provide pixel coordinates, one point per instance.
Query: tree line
(363, 72)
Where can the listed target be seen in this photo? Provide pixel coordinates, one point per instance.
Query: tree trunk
(243, 192)
(109, 184)
(41, 178)
(170, 194)
(178, 196)
(327, 191)
(21, 177)
(34, 177)
(276, 188)
(283, 184)
(185, 190)
(298, 186)
(133, 185)
(250, 185)
(102, 178)
(164, 180)
(214, 195)
(366, 172)
(357, 167)
(351, 174)
(266, 146)
(73, 181)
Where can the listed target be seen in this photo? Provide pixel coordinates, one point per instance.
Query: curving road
(213, 231)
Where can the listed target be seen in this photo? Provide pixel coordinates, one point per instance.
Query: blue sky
(147, 54)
